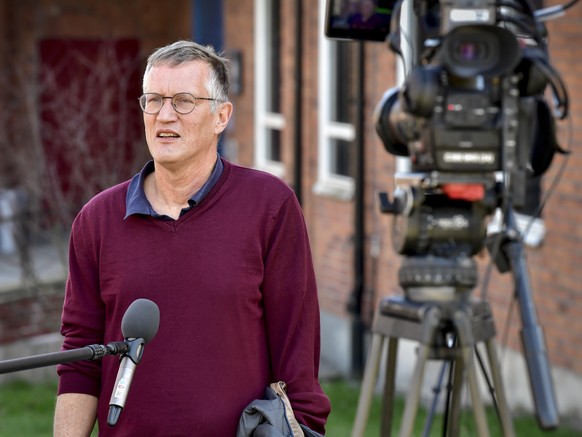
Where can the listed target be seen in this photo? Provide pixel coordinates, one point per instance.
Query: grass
(26, 410)
(344, 399)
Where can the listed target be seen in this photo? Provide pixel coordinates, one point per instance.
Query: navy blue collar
(136, 201)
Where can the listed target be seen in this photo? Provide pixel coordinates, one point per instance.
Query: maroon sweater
(234, 282)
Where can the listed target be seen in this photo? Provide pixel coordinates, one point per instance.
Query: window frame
(265, 120)
(329, 183)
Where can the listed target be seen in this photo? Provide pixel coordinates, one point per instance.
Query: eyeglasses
(183, 103)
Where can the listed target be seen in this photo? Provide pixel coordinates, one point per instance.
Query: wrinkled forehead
(170, 77)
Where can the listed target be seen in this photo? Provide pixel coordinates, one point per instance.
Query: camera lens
(471, 51)
(468, 51)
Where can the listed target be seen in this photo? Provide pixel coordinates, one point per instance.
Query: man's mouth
(168, 135)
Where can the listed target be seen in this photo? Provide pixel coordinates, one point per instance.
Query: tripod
(430, 315)
(431, 324)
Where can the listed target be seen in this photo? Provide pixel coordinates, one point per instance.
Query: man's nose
(167, 110)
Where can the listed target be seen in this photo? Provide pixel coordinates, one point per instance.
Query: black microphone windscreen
(141, 320)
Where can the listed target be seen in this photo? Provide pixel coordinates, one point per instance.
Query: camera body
(457, 107)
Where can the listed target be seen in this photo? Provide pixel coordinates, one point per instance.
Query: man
(368, 18)
(224, 253)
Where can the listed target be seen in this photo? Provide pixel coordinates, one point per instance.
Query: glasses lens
(151, 103)
(184, 103)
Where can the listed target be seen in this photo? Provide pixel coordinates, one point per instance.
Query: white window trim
(264, 120)
(329, 183)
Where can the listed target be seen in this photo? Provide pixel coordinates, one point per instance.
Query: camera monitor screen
(367, 20)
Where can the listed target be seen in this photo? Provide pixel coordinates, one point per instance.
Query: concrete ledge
(38, 345)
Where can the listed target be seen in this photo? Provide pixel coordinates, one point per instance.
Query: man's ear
(223, 116)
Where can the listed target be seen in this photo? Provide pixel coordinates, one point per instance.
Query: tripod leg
(413, 395)
(389, 387)
(368, 385)
(478, 408)
(463, 326)
(502, 404)
(430, 324)
(454, 406)
(436, 393)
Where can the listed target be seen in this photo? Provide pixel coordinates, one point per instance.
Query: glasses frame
(172, 102)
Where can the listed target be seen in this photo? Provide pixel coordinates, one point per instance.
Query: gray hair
(182, 52)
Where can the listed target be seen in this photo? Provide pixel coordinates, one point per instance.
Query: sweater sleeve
(83, 313)
(292, 315)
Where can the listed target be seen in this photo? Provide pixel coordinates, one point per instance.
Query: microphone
(139, 325)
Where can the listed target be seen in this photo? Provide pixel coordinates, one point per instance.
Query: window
(337, 108)
(269, 122)
(344, 107)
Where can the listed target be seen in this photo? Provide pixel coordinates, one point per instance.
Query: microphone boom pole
(87, 353)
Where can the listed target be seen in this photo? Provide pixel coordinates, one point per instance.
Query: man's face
(368, 7)
(175, 138)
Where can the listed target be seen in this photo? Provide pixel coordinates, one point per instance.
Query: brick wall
(30, 312)
(26, 22)
(238, 28)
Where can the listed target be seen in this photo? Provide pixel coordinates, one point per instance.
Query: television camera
(473, 120)
(471, 115)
